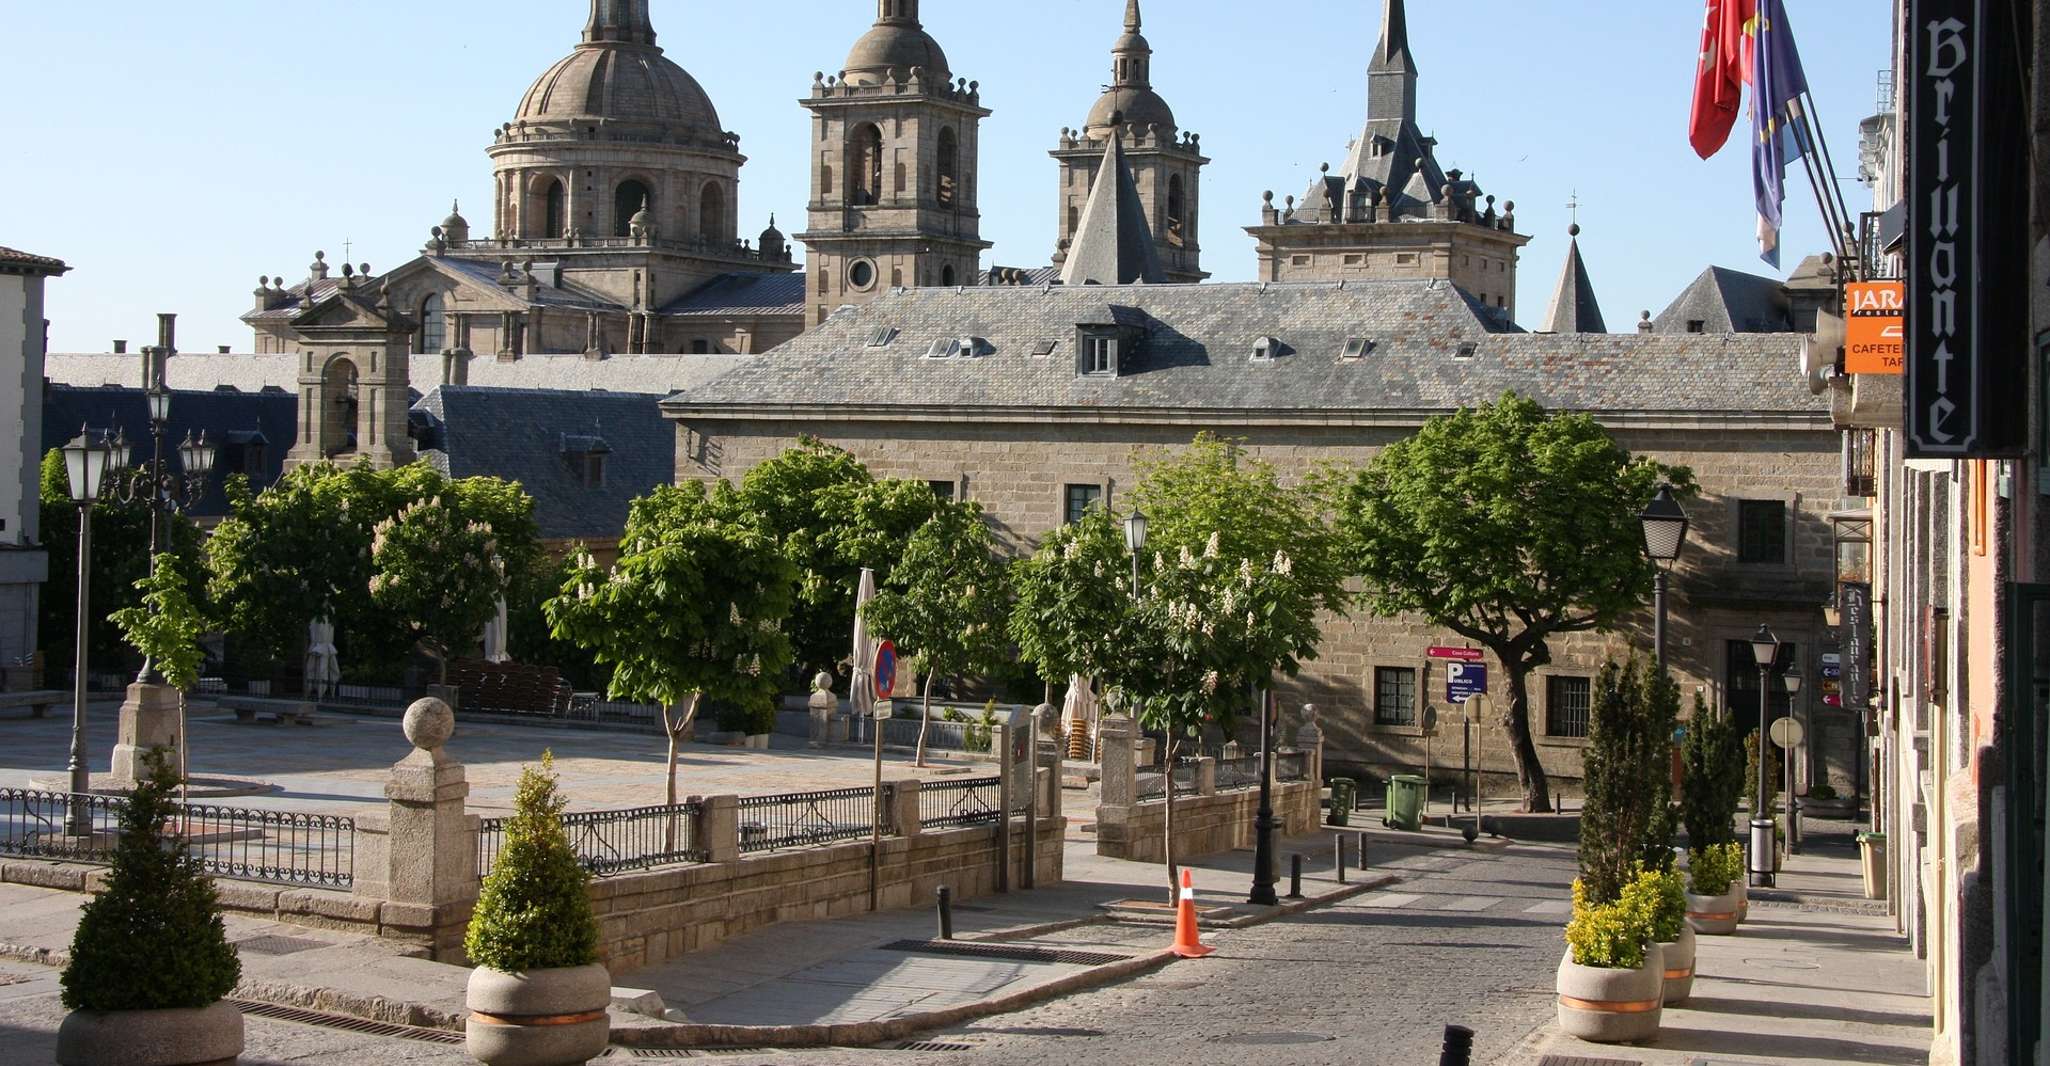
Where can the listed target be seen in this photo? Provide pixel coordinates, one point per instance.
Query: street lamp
(87, 462)
(1665, 533)
(1765, 650)
(1135, 541)
(1263, 820)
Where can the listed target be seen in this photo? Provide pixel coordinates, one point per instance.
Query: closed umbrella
(496, 645)
(862, 691)
(1078, 718)
(323, 663)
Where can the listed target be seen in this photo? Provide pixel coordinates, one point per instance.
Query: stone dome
(1141, 107)
(620, 83)
(897, 47)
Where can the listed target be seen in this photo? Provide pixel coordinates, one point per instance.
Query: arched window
(554, 209)
(712, 213)
(630, 197)
(947, 275)
(338, 419)
(1176, 211)
(865, 165)
(433, 324)
(950, 163)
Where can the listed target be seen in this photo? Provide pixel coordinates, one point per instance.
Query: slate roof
(1195, 344)
(527, 435)
(1112, 244)
(228, 415)
(486, 272)
(247, 372)
(749, 294)
(1574, 308)
(1728, 301)
(15, 261)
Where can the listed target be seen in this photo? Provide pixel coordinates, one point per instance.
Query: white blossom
(1211, 547)
(1283, 565)
(1210, 683)
(1188, 558)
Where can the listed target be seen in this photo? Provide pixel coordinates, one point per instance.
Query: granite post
(420, 856)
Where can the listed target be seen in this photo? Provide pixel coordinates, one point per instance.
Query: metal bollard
(1458, 1049)
(1363, 855)
(1338, 848)
(946, 896)
(1295, 876)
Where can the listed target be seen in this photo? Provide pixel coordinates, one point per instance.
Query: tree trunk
(1537, 791)
(674, 726)
(924, 720)
(1167, 820)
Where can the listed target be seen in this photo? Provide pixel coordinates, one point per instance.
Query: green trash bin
(1343, 792)
(1405, 802)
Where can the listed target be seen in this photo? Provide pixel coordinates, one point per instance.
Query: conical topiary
(154, 939)
(533, 912)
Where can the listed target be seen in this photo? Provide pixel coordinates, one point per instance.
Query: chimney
(223, 349)
(167, 332)
(120, 347)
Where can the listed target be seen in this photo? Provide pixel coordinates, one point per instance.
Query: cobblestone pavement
(1469, 937)
(339, 763)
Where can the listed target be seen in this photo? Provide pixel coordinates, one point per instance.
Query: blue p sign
(1463, 681)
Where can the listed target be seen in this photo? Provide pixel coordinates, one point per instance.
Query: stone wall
(1018, 470)
(1203, 825)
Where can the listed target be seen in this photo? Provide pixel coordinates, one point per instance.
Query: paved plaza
(338, 764)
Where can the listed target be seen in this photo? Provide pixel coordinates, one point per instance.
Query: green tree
(439, 574)
(946, 601)
(831, 518)
(533, 641)
(692, 610)
(166, 625)
(1509, 526)
(301, 550)
(1714, 762)
(1072, 603)
(120, 558)
(1625, 824)
(533, 911)
(154, 939)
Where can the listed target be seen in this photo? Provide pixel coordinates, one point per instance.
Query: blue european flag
(1779, 128)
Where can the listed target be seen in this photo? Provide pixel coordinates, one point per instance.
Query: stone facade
(23, 563)
(1020, 471)
(354, 378)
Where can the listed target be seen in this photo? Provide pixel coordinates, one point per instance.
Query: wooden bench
(276, 711)
(38, 701)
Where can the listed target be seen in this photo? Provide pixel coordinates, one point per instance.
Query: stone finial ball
(822, 682)
(429, 723)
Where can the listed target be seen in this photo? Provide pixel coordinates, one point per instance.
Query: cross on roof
(1573, 205)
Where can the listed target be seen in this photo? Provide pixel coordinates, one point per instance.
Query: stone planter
(552, 1017)
(1713, 915)
(1836, 809)
(195, 1036)
(1607, 1006)
(1678, 956)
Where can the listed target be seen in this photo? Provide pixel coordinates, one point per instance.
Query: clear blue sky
(172, 152)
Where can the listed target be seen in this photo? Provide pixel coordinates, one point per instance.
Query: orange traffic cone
(1186, 942)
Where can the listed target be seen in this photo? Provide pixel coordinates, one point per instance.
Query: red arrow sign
(1471, 655)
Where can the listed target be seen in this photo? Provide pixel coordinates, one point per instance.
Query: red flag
(1720, 75)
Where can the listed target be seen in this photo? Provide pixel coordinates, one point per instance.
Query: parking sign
(1463, 681)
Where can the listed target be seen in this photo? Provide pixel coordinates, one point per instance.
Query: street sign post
(1788, 733)
(886, 670)
(1464, 680)
(1471, 655)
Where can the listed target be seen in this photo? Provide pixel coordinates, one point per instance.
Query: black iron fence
(282, 847)
(1291, 765)
(1153, 785)
(953, 804)
(1240, 772)
(808, 819)
(607, 842)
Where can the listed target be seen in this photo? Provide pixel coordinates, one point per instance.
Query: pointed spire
(1131, 56)
(1112, 244)
(1131, 16)
(621, 21)
(1574, 309)
(1391, 77)
(1393, 49)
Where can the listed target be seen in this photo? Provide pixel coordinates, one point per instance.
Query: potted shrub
(1611, 983)
(150, 960)
(1663, 894)
(538, 995)
(1822, 801)
(1714, 874)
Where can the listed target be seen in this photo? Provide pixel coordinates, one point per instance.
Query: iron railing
(281, 847)
(808, 819)
(608, 842)
(1291, 765)
(1240, 772)
(953, 804)
(1154, 785)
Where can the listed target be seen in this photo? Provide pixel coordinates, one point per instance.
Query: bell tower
(893, 187)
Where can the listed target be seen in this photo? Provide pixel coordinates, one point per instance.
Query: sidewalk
(1815, 976)
(846, 981)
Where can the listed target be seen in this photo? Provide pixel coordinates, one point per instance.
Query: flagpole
(1811, 164)
(1829, 165)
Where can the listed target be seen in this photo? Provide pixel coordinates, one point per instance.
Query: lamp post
(1135, 541)
(1665, 533)
(1263, 822)
(1793, 680)
(1764, 650)
(165, 493)
(86, 462)
(159, 417)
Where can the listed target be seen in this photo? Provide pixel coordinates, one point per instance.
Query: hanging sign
(1872, 336)
(1471, 655)
(1464, 681)
(1854, 602)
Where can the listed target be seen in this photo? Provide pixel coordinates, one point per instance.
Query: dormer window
(1465, 350)
(1356, 348)
(1265, 349)
(1099, 353)
(881, 338)
(1042, 349)
(946, 348)
(585, 456)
